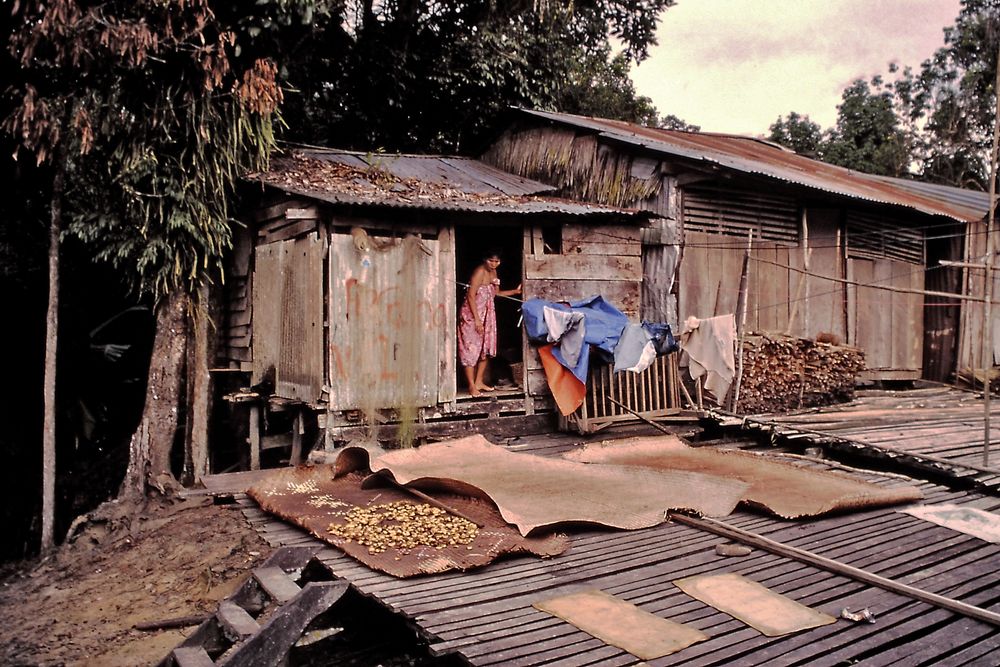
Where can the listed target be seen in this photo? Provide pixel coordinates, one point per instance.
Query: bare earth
(79, 605)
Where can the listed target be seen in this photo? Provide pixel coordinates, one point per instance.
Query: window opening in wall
(551, 240)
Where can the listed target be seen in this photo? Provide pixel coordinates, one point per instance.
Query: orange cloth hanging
(565, 387)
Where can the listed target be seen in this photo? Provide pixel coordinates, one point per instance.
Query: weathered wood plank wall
(604, 259)
(300, 369)
(970, 349)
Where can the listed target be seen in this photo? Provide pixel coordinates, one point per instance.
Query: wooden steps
(235, 637)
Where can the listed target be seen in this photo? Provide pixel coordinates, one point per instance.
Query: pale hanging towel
(710, 345)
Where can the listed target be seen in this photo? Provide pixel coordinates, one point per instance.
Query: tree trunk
(51, 344)
(149, 450)
(201, 350)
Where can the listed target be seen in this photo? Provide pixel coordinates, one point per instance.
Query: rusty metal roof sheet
(421, 182)
(976, 200)
(758, 156)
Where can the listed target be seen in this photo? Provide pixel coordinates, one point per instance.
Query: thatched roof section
(578, 165)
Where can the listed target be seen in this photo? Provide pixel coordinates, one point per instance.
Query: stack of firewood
(784, 373)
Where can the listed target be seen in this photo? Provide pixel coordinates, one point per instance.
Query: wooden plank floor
(937, 429)
(486, 617)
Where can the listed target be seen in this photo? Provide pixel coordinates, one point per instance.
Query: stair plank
(276, 583)
(236, 623)
(192, 656)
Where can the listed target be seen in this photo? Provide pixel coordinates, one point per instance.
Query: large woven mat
(534, 492)
(311, 499)
(787, 490)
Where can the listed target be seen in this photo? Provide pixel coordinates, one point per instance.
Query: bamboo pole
(741, 310)
(988, 287)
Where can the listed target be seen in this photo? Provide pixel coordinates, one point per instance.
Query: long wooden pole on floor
(988, 287)
(753, 539)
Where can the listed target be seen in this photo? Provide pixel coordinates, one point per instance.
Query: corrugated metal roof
(429, 182)
(973, 199)
(757, 156)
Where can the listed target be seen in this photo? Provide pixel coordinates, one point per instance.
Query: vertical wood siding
(595, 259)
(368, 330)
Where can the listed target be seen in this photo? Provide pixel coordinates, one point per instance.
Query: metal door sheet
(388, 320)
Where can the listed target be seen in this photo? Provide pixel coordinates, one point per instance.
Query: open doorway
(471, 245)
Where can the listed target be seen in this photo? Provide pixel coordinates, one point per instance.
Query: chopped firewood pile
(785, 373)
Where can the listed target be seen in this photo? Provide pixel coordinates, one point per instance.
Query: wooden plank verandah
(937, 429)
(485, 615)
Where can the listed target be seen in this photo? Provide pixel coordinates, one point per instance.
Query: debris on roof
(418, 181)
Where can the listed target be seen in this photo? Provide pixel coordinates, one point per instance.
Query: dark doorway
(941, 314)
(471, 245)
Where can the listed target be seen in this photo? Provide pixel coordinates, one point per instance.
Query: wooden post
(988, 287)
(741, 321)
(806, 254)
(199, 387)
(298, 430)
(254, 439)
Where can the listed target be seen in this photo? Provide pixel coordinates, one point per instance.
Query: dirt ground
(79, 605)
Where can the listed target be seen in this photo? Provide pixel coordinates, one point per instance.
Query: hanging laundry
(603, 325)
(635, 350)
(569, 329)
(662, 336)
(566, 389)
(710, 347)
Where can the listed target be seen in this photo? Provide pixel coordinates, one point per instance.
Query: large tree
(868, 135)
(953, 98)
(147, 112)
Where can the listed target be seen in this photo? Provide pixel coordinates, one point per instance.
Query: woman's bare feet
(485, 387)
(474, 392)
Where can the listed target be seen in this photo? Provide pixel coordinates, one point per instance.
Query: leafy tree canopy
(798, 133)
(934, 122)
(422, 75)
(153, 108)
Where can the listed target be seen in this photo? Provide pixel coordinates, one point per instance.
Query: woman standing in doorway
(477, 322)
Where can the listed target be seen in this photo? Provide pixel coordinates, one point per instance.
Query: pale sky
(736, 65)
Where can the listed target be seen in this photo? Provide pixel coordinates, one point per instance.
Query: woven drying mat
(786, 490)
(310, 498)
(770, 613)
(537, 492)
(619, 623)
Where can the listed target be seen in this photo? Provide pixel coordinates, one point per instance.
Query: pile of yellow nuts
(404, 525)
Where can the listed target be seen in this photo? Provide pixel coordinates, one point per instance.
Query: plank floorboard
(485, 615)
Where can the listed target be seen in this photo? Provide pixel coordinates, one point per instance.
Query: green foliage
(868, 136)
(155, 117)
(438, 75)
(936, 123)
(798, 133)
(955, 100)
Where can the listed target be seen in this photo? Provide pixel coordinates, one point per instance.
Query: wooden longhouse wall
(971, 356)
(588, 260)
(795, 233)
(328, 295)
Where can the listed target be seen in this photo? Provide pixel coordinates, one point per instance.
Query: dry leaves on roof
(297, 171)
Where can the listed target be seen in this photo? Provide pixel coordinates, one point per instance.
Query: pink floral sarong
(474, 347)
